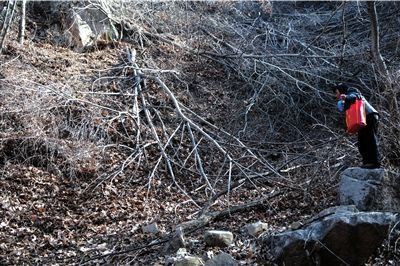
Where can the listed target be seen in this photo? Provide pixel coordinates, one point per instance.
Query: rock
(81, 33)
(216, 238)
(150, 229)
(370, 189)
(183, 258)
(256, 229)
(222, 259)
(188, 261)
(192, 243)
(182, 252)
(89, 25)
(332, 210)
(295, 225)
(351, 236)
(177, 241)
(84, 26)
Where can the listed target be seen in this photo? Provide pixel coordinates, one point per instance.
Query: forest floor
(57, 207)
(53, 218)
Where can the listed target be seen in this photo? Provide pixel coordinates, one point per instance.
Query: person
(368, 135)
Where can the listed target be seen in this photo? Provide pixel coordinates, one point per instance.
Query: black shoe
(370, 166)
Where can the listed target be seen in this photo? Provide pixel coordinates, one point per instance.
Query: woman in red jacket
(368, 135)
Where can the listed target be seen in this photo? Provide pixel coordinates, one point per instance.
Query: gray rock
(182, 252)
(222, 259)
(188, 261)
(183, 258)
(216, 238)
(86, 26)
(370, 189)
(337, 236)
(81, 33)
(150, 229)
(256, 229)
(194, 242)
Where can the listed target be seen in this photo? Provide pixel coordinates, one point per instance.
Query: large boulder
(83, 23)
(338, 236)
(370, 189)
(96, 22)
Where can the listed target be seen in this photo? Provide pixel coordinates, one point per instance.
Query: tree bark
(21, 35)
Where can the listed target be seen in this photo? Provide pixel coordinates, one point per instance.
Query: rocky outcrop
(338, 236)
(341, 235)
(377, 189)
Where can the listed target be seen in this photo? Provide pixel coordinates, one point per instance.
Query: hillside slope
(224, 103)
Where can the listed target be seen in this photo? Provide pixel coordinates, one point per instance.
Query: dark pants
(368, 141)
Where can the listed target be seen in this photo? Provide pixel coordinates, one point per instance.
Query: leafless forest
(200, 115)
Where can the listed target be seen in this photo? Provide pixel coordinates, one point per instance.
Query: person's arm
(340, 105)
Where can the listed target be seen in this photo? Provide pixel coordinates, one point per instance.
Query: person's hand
(343, 96)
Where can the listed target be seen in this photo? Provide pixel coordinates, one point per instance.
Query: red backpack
(355, 116)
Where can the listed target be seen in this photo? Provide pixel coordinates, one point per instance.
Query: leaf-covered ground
(54, 208)
(68, 192)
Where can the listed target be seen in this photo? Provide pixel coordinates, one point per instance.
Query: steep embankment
(97, 143)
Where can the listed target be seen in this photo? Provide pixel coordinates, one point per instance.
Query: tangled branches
(197, 154)
(289, 59)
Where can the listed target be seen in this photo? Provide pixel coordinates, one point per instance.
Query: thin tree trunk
(388, 89)
(6, 25)
(21, 36)
(375, 48)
